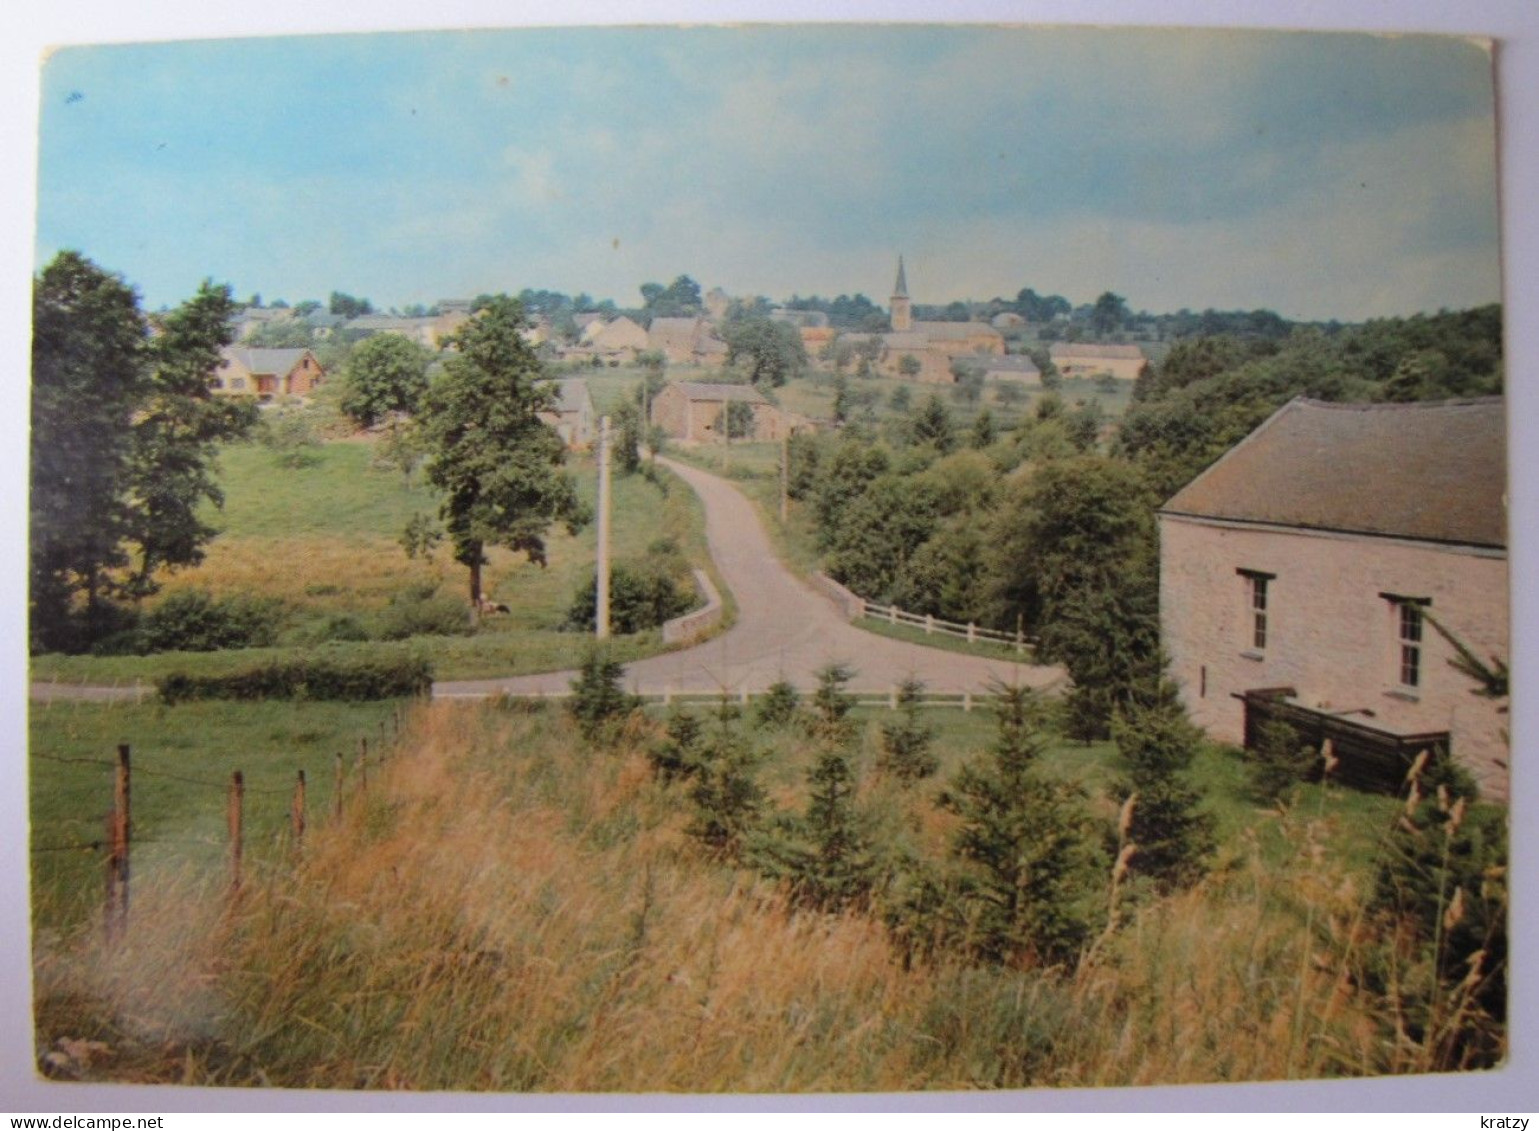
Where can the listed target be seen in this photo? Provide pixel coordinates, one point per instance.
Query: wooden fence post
(117, 863)
(1020, 632)
(892, 698)
(972, 633)
(892, 614)
(929, 624)
(237, 817)
(297, 812)
(363, 765)
(336, 791)
(967, 701)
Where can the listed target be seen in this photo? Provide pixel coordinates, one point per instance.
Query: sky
(1323, 176)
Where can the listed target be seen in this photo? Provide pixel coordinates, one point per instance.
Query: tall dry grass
(507, 909)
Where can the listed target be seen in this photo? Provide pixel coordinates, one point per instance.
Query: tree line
(1050, 523)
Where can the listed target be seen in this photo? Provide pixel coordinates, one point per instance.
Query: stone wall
(1330, 633)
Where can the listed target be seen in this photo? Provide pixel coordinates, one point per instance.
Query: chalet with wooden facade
(1321, 571)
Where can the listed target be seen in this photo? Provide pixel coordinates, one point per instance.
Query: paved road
(784, 629)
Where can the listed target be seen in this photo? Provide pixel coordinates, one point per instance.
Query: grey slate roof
(1093, 350)
(1432, 472)
(267, 360)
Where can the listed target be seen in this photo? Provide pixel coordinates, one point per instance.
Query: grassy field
(322, 541)
(182, 759)
(510, 908)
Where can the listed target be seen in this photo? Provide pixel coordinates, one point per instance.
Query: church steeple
(902, 316)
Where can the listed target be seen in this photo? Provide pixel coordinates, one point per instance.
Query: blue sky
(1346, 176)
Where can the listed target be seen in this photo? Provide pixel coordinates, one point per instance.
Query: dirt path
(784, 629)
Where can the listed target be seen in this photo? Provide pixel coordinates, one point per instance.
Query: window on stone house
(1256, 610)
(1410, 645)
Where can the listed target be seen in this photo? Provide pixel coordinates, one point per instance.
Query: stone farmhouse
(1016, 368)
(618, 340)
(573, 416)
(690, 410)
(266, 374)
(1084, 359)
(1311, 574)
(686, 341)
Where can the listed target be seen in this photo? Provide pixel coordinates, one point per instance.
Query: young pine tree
(831, 704)
(1038, 867)
(599, 702)
(1172, 834)
(728, 800)
(779, 705)
(906, 744)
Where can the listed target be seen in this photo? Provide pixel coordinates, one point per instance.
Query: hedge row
(312, 678)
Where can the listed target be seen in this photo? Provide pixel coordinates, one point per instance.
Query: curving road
(784, 630)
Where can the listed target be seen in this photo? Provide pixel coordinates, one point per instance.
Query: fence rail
(119, 835)
(855, 607)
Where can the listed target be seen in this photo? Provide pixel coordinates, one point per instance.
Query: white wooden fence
(856, 606)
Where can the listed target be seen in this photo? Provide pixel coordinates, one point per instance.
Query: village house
(686, 341)
(1017, 368)
(1310, 575)
(617, 340)
(573, 416)
(690, 410)
(266, 374)
(1086, 359)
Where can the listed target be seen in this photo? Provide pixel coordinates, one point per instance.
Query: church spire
(902, 313)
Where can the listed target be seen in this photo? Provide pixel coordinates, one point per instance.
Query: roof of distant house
(709, 391)
(954, 330)
(1094, 350)
(1434, 471)
(266, 360)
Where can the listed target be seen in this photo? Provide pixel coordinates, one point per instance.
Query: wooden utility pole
(601, 595)
(785, 476)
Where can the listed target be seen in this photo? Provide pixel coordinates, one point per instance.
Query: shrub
(412, 614)
(316, 677)
(640, 597)
(193, 620)
(599, 702)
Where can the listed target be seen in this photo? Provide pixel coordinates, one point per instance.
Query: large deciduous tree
(123, 436)
(386, 373)
(772, 352)
(498, 465)
(177, 430)
(1076, 554)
